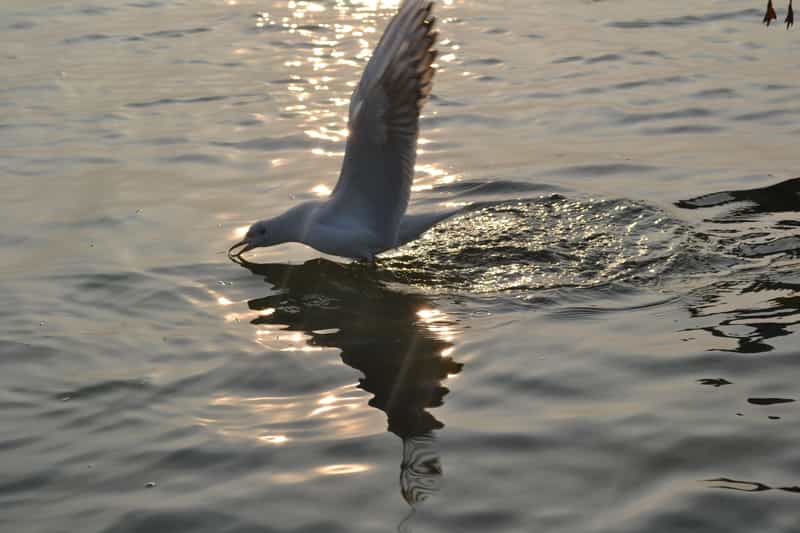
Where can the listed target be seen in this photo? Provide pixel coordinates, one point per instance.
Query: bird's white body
(365, 214)
(323, 227)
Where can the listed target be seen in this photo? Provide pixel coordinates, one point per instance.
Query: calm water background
(614, 333)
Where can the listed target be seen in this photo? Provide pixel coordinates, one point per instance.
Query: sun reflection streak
(274, 439)
(338, 470)
(278, 420)
(321, 190)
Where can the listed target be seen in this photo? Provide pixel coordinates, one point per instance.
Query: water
(608, 344)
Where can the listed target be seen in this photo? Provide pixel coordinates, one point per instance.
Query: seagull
(366, 212)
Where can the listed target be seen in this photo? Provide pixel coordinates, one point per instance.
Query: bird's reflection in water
(388, 335)
(760, 225)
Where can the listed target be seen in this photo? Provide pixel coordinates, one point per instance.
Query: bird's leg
(770, 15)
(789, 16)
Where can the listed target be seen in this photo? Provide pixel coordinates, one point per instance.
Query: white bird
(365, 213)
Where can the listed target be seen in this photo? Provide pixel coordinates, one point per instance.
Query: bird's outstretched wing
(378, 168)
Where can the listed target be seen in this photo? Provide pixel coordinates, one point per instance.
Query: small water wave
(541, 243)
(685, 20)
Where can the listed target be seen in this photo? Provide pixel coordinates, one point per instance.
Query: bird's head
(288, 227)
(257, 236)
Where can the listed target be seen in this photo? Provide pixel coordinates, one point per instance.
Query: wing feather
(378, 169)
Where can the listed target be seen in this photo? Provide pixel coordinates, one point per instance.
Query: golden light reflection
(239, 232)
(277, 420)
(338, 470)
(274, 439)
(429, 315)
(321, 190)
(224, 301)
(302, 349)
(327, 400)
(437, 322)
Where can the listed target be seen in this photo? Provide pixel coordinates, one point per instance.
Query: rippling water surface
(606, 340)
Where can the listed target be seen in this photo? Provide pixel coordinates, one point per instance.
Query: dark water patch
(777, 87)
(147, 5)
(205, 159)
(509, 441)
(105, 388)
(683, 130)
(17, 353)
(769, 401)
(567, 59)
(497, 31)
(95, 10)
(31, 482)
(446, 102)
(170, 101)
(786, 113)
(89, 37)
(789, 246)
(192, 62)
(483, 520)
(22, 25)
(722, 92)
(638, 118)
(487, 61)
(539, 95)
(653, 53)
(289, 81)
(603, 58)
(534, 386)
(12, 240)
(271, 144)
(210, 456)
(534, 36)
(685, 20)
(657, 82)
(125, 423)
(714, 382)
(174, 34)
(603, 170)
(6, 445)
(320, 28)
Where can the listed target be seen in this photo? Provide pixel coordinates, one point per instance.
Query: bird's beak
(246, 246)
